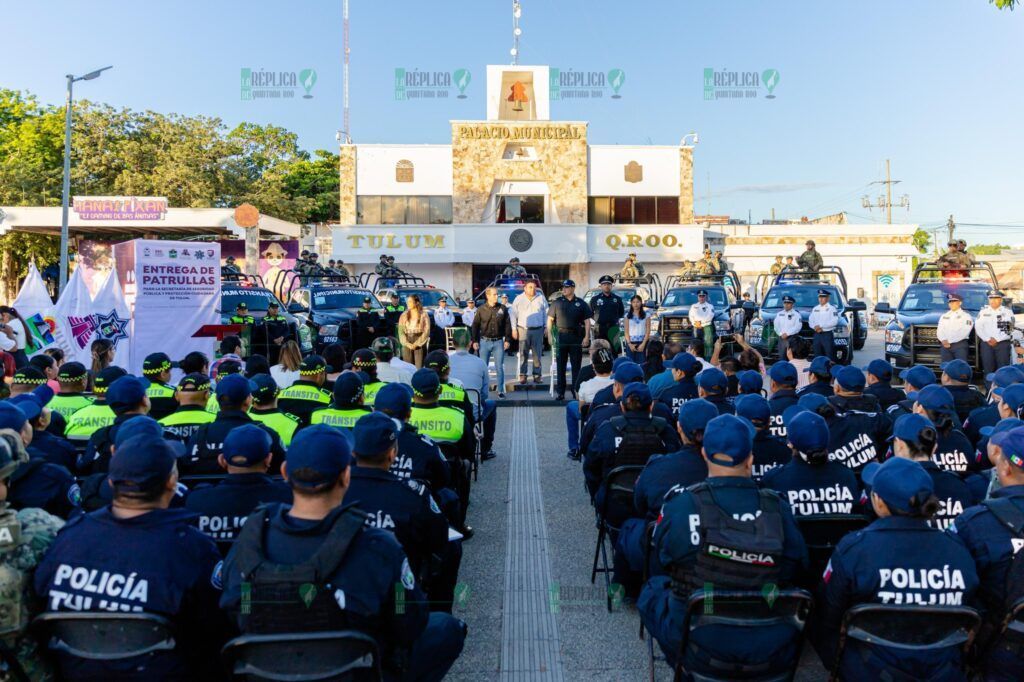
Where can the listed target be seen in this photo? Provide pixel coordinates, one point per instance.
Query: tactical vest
(158, 390)
(295, 597)
(370, 391)
(281, 423)
(440, 424)
(733, 554)
(637, 441)
(175, 421)
(68, 404)
(1013, 519)
(87, 421)
(12, 580)
(342, 419)
(305, 392)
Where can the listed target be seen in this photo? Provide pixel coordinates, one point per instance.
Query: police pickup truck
(681, 292)
(327, 305)
(430, 296)
(803, 286)
(647, 287)
(910, 336)
(250, 290)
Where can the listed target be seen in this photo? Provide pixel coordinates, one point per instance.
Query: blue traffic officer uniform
(157, 562)
(728, 513)
(898, 559)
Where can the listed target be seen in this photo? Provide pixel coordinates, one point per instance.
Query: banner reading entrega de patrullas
(173, 289)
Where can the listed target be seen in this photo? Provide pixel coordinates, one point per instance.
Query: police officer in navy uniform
(915, 438)
(369, 324)
(956, 378)
(148, 558)
(223, 508)
(569, 317)
(988, 415)
(307, 395)
(608, 311)
(824, 318)
(898, 559)
(684, 368)
(726, 510)
(769, 451)
(849, 394)
(855, 438)
(819, 378)
(275, 328)
(954, 451)
(782, 379)
(45, 445)
(625, 374)
(127, 398)
(994, 534)
(204, 448)
(879, 378)
(156, 368)
(403, 507)
(914, 379)
(713, 386)
(380, 594)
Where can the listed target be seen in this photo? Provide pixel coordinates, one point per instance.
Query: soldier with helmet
(810, 259)
(514, 269)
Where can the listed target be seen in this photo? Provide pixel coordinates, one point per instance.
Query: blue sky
(935, 86)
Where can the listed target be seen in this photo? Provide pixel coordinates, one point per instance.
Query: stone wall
(477, 163)
(685, 185)
(347, 200)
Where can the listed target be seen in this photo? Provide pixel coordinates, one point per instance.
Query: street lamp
(65, 198)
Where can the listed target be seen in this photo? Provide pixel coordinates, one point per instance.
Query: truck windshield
(805, 297)
(679, 297)
(932, 298)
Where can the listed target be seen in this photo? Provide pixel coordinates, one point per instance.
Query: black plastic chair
(618, 484)
(102, 636)
(748, 610)
(821, 533)
(305, 656)
(478, 428)
(1009, 634)
(914, 628)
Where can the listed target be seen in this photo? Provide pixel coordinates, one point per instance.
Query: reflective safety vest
(242, 319)
(177, 421)
(212, 406)
(370, 391)
(343, 419)
(69, 403)
(282, 423)
(451, 394)
(88, 420)
(440, 424)
(275, 318)
(305, 392)
(159, 390)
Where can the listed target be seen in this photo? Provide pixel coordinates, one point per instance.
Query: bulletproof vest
(87, 421)
(281, 423)
(67, 405)
(733, 554)
(370, 391)
(1013, 519)
(280, 598)
(12, 580)
(342, 419)
(636, 441)
(965, 401)
(441, 424)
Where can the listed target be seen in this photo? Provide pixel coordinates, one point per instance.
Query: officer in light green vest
(71, 398)
(91, 418)
(452, 393)
(347, 406)
(306, 395)
(242, 315)
(157, 369)
(364, 360)
(265, 411)
(192, 396)
(446, 426)
(224, 369)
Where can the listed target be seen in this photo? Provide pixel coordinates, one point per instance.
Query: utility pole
(885, 201)
(950, 227)
(346, 130)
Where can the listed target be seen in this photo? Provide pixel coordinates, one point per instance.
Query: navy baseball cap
(638, 390)
(394, 397)
(156, 363)
(936, 398)
(12, 416)
(374, 433)
(754, 407)
(713, 380)
(627, 373)
(322, 451)
(106, 377)
(812, 402)
(246, 446)
(619, 361)
(819, 365)
(71, 371)
(728, 440)
(880, 369)
(263, 387)
(194, 383)
(909, 427)
(833, 370)
(425, 382)
(141, 462)
(783, 373)
(141, 425)
(126, 392)
(312, 364)
(903, 484)
(750, 381)
(234, 388)
(694, 416)
(28, 376)
(32, 403)
(851, 378)
(568, 283)
(1011, 441)
(957, 370)
(1004, 376)
(918, 376)
(228, 367)
(436, 360)
(605, 279)
(1013, 397)
(1001, 425)
(684, 362)
(807, 431)
(348, 388)
(790, 413)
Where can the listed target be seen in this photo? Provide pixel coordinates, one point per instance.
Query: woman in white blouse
(286, 371)
(16, 326)
(637, 326)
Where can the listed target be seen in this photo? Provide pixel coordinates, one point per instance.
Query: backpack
(1013, 519)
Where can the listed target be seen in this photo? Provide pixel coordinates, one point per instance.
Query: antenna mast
(344, 74)
(517, 12)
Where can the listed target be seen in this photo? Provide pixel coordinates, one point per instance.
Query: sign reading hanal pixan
(120, 208)
(173, 289)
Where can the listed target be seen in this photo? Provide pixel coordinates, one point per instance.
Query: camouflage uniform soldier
(776, 267)
(954, 259)
(810, 259)
(706, 265)
(24, 538)
(967, 255)
(687, 269)
(629, 270)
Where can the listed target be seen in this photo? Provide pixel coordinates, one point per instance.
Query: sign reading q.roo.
(654, 241)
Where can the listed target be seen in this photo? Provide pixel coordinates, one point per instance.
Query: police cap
(903, 484)
(950, 297)
(783, 372)
(812, 402)
(1004, 376)
(1011, 441)
(311, 365)
(425, 382)
(1012, 396)
(750, 381)
(819, 365)
(233, 389)
(228, 367)
(918, 376)
(71, 371)
(628, 372)
(12, 416)
(880, 369)
(194, 383)
(702, 292)
(321, 453)
(850, 378)
(728, 440)
(995, 293)
(156, 363)
(246, 446)
(348, 389)
(241, 306)
(28, 376)
(105, 377)
(823, 292)
(754, 408)
(713, 381)
(568, 283)
(957, 370)
(394, 398)
(638, 391)
(605, 279)
(364, 357)
(684, 362)
(807, 431)
(935, 398)
(788, 299)
(694, 416)
(910, 427)
(263, 388)
(126, 393)
(32, 404)
(436, 360)
(141, 462)
(374, 434)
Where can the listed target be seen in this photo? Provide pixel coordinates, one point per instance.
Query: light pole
(65, 198)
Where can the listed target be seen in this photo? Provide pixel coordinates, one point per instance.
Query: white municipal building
(521, 184)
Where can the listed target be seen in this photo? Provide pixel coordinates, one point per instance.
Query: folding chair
(478, 427)
(921, 629)
(1010, 635)
(821, 533)
(304, 656)
(618, 484)
(104, 636)
(745, 611)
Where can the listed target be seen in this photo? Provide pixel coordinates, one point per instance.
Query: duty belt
(530, 328)
(493, 338)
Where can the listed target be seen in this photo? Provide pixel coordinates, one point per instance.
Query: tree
(317, 179)
(1004, 4)
(922, 240)
(987, 249)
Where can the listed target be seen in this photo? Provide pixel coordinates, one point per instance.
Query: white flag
(111, 317)
(36, 307)
(75, 325)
